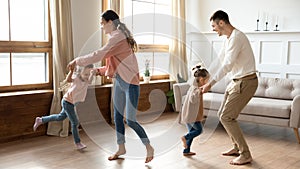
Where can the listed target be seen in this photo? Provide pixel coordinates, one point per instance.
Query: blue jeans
(195, 129)
(68, 110)
(126, 98)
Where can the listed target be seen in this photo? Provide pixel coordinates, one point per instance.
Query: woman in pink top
(75, 94)
(121, 64)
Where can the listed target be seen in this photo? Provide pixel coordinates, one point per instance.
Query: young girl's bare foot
(150, 153)
(80, 146)
(37, 123)
(121, 151)
(189, 154)
(183, 140)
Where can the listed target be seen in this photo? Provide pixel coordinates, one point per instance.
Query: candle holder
(266, 27)
(257, 21)
(276, 28)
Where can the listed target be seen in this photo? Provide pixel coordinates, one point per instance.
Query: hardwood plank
(271, 147)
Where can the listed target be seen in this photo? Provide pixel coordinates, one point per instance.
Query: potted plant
(147, 71)
(170, 98)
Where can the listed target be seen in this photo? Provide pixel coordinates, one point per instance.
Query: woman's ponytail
(113, 16)
(122, 27)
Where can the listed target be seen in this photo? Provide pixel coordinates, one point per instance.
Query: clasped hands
(205, 88)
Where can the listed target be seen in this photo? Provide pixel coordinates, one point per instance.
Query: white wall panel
(277, 54)
(271, 52)
(294, 53)
(269, 74)
(293, 76)
(201, 52)
(217, 45)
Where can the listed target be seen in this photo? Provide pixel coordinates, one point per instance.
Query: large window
(25, 45)
(150, 22)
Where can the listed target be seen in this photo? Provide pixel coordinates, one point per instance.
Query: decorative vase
(147, 79)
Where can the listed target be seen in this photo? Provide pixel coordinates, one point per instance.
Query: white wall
(86, 25)
(243, 13)
(276, 53)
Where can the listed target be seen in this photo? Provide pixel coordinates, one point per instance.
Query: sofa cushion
(212, 100)
(264, 120)
(268, 107)
(257, 106)
(278, 88)
(267, 87)
(220, 86)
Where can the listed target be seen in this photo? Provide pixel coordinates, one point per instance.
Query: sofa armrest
(295, 113)
(180, 90)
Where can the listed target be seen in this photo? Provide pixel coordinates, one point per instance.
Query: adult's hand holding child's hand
(205, 88)
(71, 65)
(200, 90)
(94, 72)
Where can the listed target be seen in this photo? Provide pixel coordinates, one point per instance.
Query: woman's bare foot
(150, 153)
(120, 152)
(189, 154)
(183, 140)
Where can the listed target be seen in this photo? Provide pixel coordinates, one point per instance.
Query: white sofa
(276, 102)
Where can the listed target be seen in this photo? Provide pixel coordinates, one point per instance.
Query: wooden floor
(272, 148)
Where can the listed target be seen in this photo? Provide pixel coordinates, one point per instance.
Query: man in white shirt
(237, 58)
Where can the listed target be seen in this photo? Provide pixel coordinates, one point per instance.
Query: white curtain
(178, 60)
(115, 5)
(62, 44)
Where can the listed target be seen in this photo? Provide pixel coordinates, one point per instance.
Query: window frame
(154, 48)
(30, 47)
(141, 48)
(145, 48)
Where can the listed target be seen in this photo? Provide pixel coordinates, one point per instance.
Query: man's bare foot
(120, 152)
(232, 152)
(150, 153)
(183, 140)
(241, 160)
(189, 154)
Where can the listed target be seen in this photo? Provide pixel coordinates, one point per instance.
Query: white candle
(276, 20)
(266, 17)
(258, 15)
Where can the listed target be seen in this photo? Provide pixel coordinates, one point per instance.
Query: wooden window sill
(141, 83)
(18, 93)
